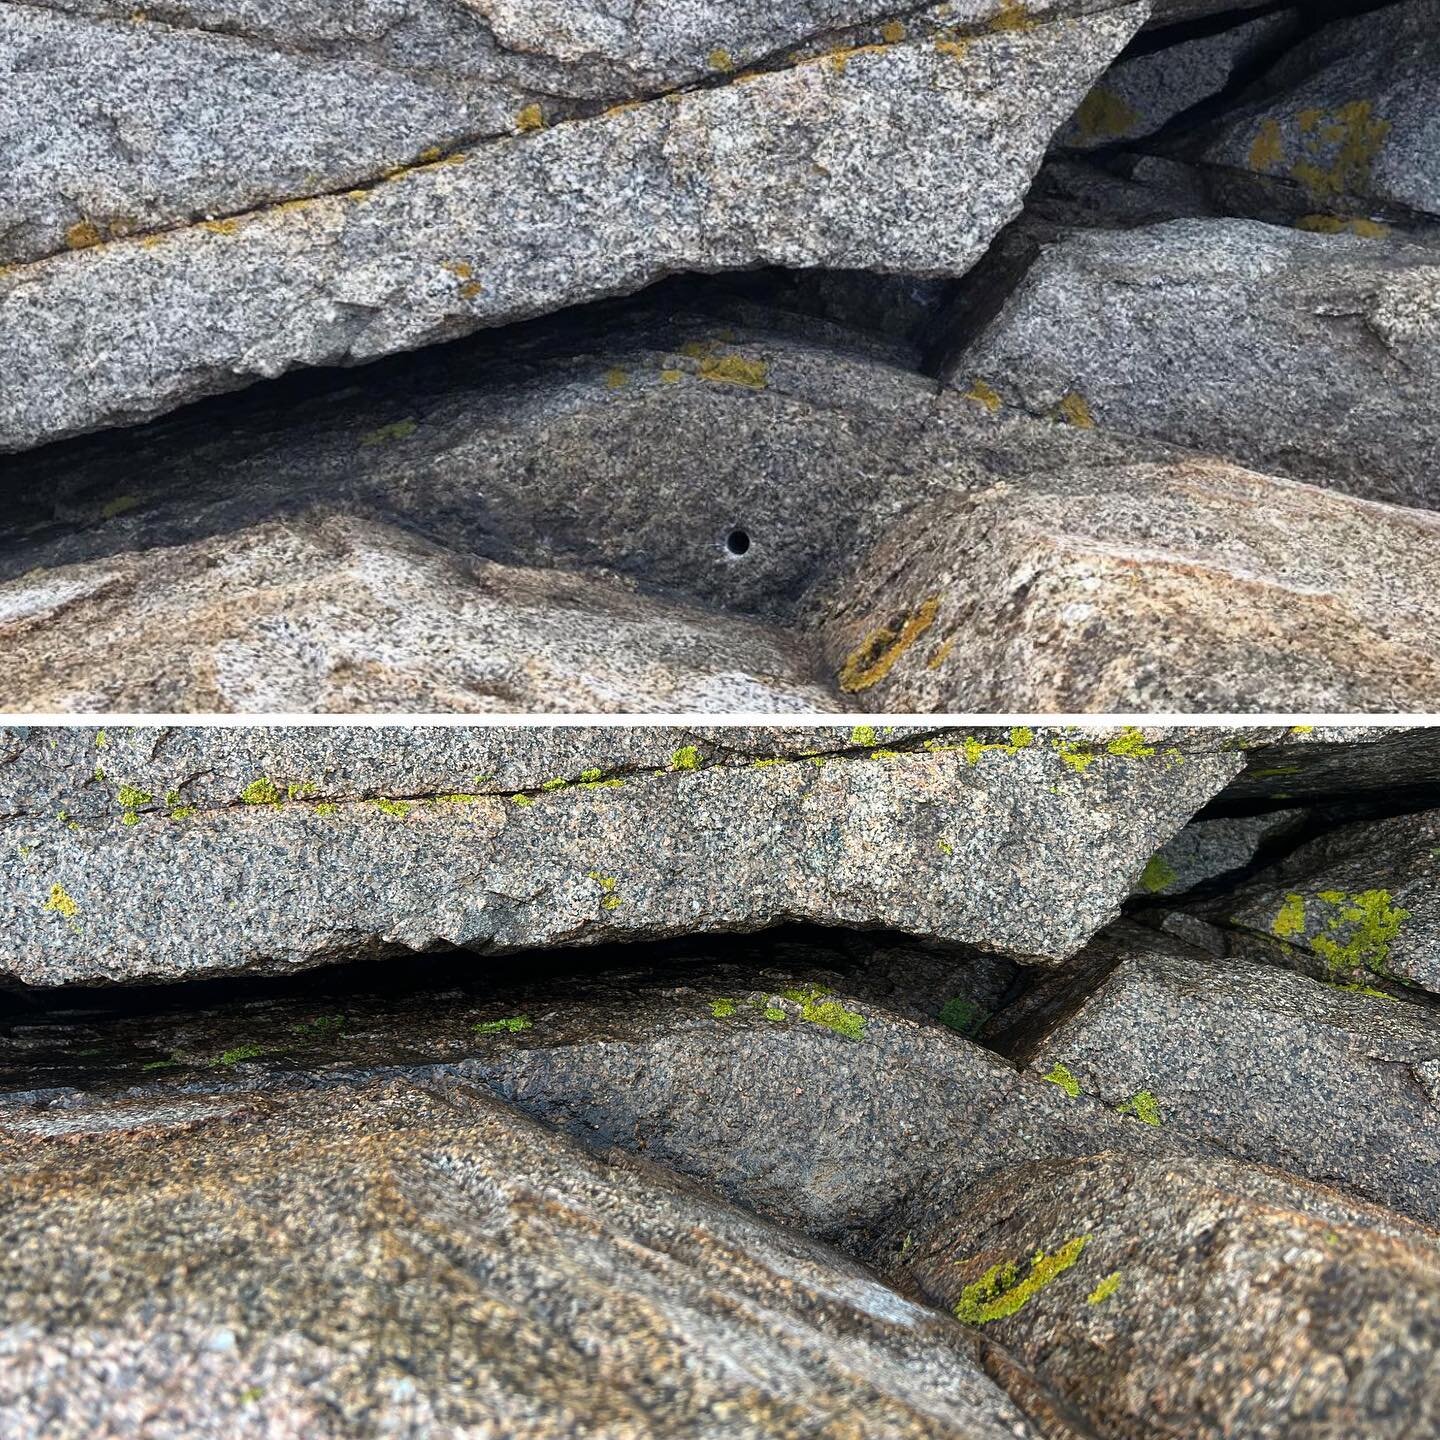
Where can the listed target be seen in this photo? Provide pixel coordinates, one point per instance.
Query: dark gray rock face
(1340, 1085)
(1207, 851)
(1307, 355)
(177, 853)
(1343, 125)
(825, 158)
(1394, 764)
(1360, 905)
(1199, 1298)
(689, 1061)
(421, 1261)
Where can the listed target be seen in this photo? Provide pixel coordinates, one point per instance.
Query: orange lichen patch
(956, 49)
(736, 370)
(1343, 225)
(1340, 150)
(470, 290)
(532, 117)
(220, 227)
(839, 60)
(1103, 115)
(458, 267)
(721, 60)
(1268, 149)
(82, 235)
(941, 653)
(1074, 410)
(624, 105)
(1013, 16)
(882, 648)
(430, 156)
(892, 33)
(983, 394)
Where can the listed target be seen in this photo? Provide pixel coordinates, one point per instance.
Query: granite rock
(1342, 126)
(1182, 585)
(1358, 905)
(172, 853)
(1339, 1085)
(1199, 1298)
(413, 1261)
(1306, 355)
(828, 160)
(688, 1058)
(322, 612)
(1146, 92)
(1214, 850)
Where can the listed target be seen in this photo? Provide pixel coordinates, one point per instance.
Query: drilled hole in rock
(737, 542)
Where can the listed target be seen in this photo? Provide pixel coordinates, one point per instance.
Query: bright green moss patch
(1060, 1075)
(511, 1025)
(261, 792)
(321, 1025)
(1075, 754)
(398, 808)
(131, 798)
(1159, 874)
(1291, 919)
(1143, 1106)
(609, 885)
(723, 1009)
(62, 902)
(774, 1012)
(1105, 1289)
(1002, 1290)
(685, 758)
(863, 735)
(816, 1007)
(1130, 745)
(1358, 935)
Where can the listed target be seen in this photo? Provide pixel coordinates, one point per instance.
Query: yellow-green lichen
(609, 888)
(687, 757)
(863, 735)
(1143, 1106)
(1291, 919)
(816, 1007)
(736, 370)
(723, 1009)
(986, 395)
(962, 1016)
(1130, 745)
(1060, 1075)
(240, 1052)
(1358, 931)
(511, 1025)
(1103, 115)
(263, 791)
(398, 808)
(1105, 1289)
(400, 430)
(62, 902)
(531, 118)
(1003, 1290)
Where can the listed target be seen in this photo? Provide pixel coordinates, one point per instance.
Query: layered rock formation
(726, 1183)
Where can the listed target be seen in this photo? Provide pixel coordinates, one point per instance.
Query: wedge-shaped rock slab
(779, 1081)
(1342, 1086)
(1200, 1298)
(827, 162)
(412, 1261)
(1359, 905)
(1186, 585)
(1344, 124)
(1393, 765)
(1312, 356)
(185, 852)
(1210, 850)
(326, 613)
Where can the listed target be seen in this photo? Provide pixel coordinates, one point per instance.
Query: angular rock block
(1310, 356)
(825, 160)
(684, 1059)
(1183, 585)
(178, 853)
(411, 1260)
(1342, 128)
(324, 613)
(1336, 1084)
(1199, 1298)
(1359, 905)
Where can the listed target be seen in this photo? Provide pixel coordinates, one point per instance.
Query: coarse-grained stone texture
(1359, 904)
(325, 613)
(1138, 96)
(1200, 1298)
(1183, 585)
(1343, 125)
(1211, 850)
(1396, 765)
(1340, 1085)
(409, 1260)
(1307, 355)
(688, 1059)
(165, 854)
(829, 161)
